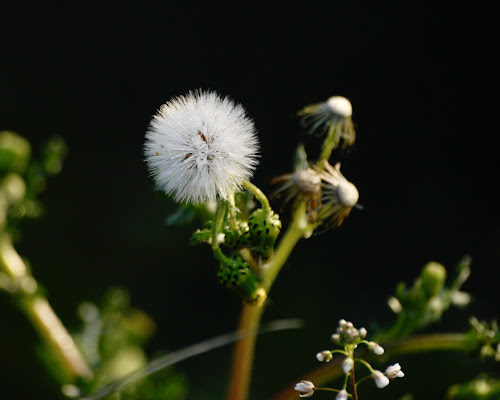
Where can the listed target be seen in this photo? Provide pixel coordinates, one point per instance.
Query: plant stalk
(250, 316)
(38, 310)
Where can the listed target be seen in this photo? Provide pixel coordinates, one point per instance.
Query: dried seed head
(340, 106)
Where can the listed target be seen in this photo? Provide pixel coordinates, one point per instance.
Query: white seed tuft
(201, 146)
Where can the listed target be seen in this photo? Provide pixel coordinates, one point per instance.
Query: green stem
(244, 353)
(415, 344)
(220, 215)
(330, 143)
(251, 315)
(293, 234)
(38, 310)
(259, 195)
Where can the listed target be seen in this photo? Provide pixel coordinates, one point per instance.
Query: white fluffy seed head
(340, 106)
(201, 146)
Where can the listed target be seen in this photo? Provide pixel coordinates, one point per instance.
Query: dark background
(422, 81)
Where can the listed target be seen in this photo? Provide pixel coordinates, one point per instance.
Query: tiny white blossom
(376, 348)
(362, 333)
(342, 395)
(201, 146)
(459, 298)
(347, 365)
(306, 388)
(380, 379)
(325, 355)
(394, 371)
(394, 305)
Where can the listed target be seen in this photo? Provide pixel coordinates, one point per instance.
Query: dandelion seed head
(201, 146)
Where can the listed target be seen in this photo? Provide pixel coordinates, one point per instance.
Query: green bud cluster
(264, 228)
(235, 273)
(426, 300)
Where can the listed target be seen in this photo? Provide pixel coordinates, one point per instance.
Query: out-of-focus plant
(110, 344)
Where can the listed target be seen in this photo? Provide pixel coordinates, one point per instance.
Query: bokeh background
(422, 81)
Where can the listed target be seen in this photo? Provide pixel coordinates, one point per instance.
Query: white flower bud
(394, 305)
(342, 395)
(347, 365)
(305, 388)
(460, 299)
(362, 333)
(394, 371)
(376, 348)
(325, 355)
(380, 379)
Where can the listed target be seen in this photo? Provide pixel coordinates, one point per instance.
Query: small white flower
(347, 365)
(306, 388)
(342, 395)
(394, 305)
(376, 348)
(394, 371)
(335, 337)
(460, 299)
(201, 146)
(362, 333)
(325, 355)
(380, 379)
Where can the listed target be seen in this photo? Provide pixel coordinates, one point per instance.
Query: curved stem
(415, 344)
(259, 195)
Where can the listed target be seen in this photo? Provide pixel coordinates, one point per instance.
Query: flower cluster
(349, 338)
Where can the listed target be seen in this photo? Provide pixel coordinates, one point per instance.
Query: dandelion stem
(37, 308)
(251, 315)
(293, 234)
(330, 143)
(244, 353)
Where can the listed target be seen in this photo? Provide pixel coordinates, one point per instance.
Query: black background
(422, 81)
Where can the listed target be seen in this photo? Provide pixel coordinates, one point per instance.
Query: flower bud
(433, 278)
(380, 379)
(347, 365)
(305, 388)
